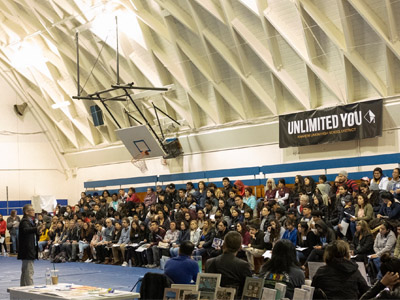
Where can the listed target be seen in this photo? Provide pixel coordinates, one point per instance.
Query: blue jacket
(291, 236)
(393, 212)
(181, 269)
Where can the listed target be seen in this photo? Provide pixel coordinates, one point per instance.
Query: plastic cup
(54, 277)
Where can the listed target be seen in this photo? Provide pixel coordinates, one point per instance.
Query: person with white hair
(270, 189)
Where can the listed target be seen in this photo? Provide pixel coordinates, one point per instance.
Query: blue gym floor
(106, 276)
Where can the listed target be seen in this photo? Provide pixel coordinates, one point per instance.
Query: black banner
(341, 123)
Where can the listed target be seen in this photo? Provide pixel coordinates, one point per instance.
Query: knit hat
(344, 173)
(365, 178)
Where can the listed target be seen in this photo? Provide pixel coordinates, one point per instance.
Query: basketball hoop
(139, 162)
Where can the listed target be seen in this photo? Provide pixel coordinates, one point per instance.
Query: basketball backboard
(139, 138)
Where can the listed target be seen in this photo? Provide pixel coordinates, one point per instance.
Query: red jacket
(134, 198)
(3, 227)
(240, 187)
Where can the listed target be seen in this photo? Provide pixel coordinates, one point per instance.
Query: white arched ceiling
(229, 61)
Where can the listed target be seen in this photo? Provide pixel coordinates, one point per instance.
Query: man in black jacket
(232, 269)
(29, 234)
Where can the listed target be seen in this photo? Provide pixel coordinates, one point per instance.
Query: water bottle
(48, 277)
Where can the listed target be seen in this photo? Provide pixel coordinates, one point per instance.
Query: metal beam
(376, 24)
(394, 36)
(342, 40)
(264, 54)
(323, 75)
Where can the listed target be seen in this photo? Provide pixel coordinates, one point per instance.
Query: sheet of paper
(301, 248)
(267, 254)
(345, 226)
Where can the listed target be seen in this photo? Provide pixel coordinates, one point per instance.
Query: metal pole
(116, 27)
(131, 86)
(7, 198)
(77, 64)
(92, 98)
(167, 115)
(112, 116)
(158, 121)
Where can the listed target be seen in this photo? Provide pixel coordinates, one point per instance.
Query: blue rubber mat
(105, 276)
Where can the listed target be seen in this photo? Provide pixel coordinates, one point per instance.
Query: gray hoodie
(384, 243)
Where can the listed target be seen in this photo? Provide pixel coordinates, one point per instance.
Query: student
(282, 193)
(305, 239)
(379, 182)
(273, 234)
(397, 247)
(389, 286)
(85, 238)
(182, 269)
(343, 179)
(372, 196)
(346, 214)
(325, 236)
(291, 232)
(394, 184)
(363, 242)
(385, 241)
(206, 239)
(226, 183)
(194, 232)
(249, 198)
(122, 243)
(136, 236)
(222, 230)
(340, 277)
(242, 229)
(298, 189)
(390, 209)
(309, 187)
(283, 268)
(363, 209)
(184, 235)
(257, 246)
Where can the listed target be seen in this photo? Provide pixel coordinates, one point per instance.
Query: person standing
(28, 244)
(12, 226)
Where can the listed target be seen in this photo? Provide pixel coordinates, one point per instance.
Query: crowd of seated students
(124, 229)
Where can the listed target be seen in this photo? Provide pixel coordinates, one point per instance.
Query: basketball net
(139, 162)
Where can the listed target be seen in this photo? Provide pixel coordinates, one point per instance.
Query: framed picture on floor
(189, 295)
(171, 294)
(208, 282)
(224, 293)
(253, 288)
(184, 288)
